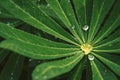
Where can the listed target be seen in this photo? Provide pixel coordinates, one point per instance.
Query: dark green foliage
(60, 39)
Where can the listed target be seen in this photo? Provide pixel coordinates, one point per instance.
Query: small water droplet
(91, 57)
(68, 0)
(12, 74)
(86, 27)
(75, 38)
(39, 61)
(8, 23)
(73, 27)
(105, 70)
(36, 77)
(11, 78)
(30, 60)
(48, 5)
(45, 77)
(69, 14)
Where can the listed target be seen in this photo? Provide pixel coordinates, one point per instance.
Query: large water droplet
(73, 27)
(0, 12)
(91, 57)
(86, 27)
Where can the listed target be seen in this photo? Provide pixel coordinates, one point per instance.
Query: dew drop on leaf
(86, 27)
(68, 0)
(73, 27)
(0, 12)
(48, 5)
(91, 57)
(8, 23)
(30, 60)
(45, 77)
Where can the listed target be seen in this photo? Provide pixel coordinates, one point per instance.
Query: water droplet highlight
(48, 5)
(86, 27)
(73, 27)
(45, 77)
(0, 12)
(91, 57)
(8, 23)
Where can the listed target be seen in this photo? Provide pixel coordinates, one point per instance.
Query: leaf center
(87, 48)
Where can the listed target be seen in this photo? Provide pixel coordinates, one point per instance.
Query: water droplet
(45, 77)
(86, 27)
(30, 60)
(11, 78)
(73, 27)
(69, 14)
(48, 5)
(91, 57)
(105, 70)
(0, 12)
(11, 74)
(75, 38)
(39, 61)
(36, 77)
(68, 0)
(8, 23)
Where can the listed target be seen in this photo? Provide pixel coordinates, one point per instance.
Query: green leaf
(111, 61)
(65, 13)
(52, 69)
(98, 14)
(37, 51)
(68, 9)
(114, 48)
(83, 9)
(31, 14)
(4, 13)
(111, 23)
(110, 40)
(12, 68)
(3, 54)
(100, 72)
(9, 32)
(77, 71)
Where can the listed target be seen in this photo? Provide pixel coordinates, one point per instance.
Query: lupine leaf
(111, 40)
(111, 23)
(32, 14)
(9, 32)
(37, 51)
(76, 74)
(100, 72)
(12, 69)
(83, 10)
(68, 9)
(98, 14)
(83, 13)
(64, 16)
(111, 61)
(52, 69)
